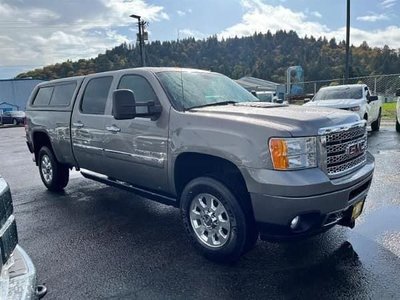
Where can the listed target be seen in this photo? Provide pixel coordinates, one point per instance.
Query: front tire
(214, 220)
(15, 122)
(377, 124)
(397, 125)
(54, 175)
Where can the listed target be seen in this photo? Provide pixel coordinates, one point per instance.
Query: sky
(35, 33)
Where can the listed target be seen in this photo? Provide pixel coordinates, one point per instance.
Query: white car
(266, 96)
(353, 97)
(398, 111)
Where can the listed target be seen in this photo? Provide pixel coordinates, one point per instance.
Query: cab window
(140, 86)
(95, 96)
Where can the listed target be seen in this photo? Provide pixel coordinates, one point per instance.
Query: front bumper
(18, 277)
(277, 197)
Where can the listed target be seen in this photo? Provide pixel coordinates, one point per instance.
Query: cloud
(261, 17)
(316, 14)
(192, 33)
(373, 18)
(182, 13)
(388, 3)
(54, 31)
(254, 20)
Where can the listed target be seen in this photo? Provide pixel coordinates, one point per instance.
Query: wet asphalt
(97, 242)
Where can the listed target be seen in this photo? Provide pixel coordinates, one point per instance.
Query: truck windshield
(339, 93)
(198, 89)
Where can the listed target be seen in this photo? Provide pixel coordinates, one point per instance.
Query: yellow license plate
(357, 210)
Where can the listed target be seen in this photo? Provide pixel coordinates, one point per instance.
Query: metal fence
(382, 85)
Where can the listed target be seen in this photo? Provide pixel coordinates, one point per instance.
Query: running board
(130, 188)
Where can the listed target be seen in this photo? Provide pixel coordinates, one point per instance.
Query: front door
(136, 150)
(87, 124)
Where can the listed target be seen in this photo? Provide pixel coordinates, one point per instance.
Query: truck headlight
(293, 153)
(354, 108)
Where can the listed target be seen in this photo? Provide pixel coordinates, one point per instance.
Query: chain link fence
(382, 85)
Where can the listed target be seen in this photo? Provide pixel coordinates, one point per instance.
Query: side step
(130, 188)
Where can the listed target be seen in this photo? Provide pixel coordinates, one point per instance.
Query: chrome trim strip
(345, 127)
(7, 224)
(153, 158)
(87, 147)
(323, 156)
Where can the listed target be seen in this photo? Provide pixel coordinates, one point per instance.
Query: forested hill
(264, 56)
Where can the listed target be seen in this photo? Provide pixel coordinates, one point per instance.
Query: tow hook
(40, 291)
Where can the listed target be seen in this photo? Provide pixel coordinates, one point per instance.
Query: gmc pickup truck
(236, 167)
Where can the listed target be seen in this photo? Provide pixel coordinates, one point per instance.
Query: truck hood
(336, 103)
(296, 120)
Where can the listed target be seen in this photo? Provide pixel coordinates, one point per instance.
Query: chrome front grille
(343, 148)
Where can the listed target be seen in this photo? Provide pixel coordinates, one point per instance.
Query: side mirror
(372, 98)
(124, 105)
(398, 93)
(126, 108)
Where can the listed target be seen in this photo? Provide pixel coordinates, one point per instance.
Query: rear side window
(95, 96)
(43, 96)
(63, 94)
(140, 86)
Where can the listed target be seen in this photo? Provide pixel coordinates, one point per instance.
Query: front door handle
(113, 129)
(78, 124)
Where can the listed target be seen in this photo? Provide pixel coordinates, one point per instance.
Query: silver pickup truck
(236, 167)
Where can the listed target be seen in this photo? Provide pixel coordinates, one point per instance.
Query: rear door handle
(78, 124)
(113, 129)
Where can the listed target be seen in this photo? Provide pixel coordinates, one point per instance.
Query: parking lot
(95, 241)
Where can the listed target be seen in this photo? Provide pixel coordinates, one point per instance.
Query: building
(14, 93)
(255, 84)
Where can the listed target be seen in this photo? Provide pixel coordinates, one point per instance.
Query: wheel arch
(190, 165)
(39, 139)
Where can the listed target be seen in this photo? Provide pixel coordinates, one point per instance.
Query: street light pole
(346, 75)
(140, 34)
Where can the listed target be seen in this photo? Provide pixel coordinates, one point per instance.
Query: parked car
(235, 166)
(18, 274)
(353, 97)
(12, 117)
(398, 111)
(267, 96)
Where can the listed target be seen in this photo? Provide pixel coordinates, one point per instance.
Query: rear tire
(397, 125)
(54, 175)
(214, 220)
(15, 122)
(377, 124)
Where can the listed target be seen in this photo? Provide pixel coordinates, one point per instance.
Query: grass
(389, 111)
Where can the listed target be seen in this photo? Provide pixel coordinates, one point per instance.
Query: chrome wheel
(210, 220)
(46, 168)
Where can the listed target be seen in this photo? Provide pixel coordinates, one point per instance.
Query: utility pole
(346, 74)
(141, 34)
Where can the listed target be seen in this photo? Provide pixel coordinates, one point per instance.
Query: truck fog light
(294, 222)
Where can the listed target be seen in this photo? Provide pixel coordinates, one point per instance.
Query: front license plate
(8, 242)
(357, 210)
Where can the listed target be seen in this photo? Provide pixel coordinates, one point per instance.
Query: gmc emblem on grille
(355, 149)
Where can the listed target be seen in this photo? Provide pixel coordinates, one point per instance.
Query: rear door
(87, 123)
(136, 150)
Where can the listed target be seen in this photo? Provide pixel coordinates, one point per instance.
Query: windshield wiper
(213, 104)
